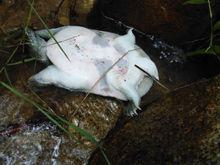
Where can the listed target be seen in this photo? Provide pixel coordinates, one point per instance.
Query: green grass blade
(9, 59)
(195, 2)
(105, 156)
(7, 76)
(201, 52)
(29, 16)
(22, 61)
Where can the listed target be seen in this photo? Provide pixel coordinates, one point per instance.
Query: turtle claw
(131, 110)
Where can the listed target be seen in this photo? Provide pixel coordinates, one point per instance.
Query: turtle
(88, 60)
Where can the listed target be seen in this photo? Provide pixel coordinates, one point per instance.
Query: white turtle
(91, 54)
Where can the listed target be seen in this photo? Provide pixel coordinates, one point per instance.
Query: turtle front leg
(53, 76)
(131, 93)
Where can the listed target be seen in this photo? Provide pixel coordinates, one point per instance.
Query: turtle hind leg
(130, 92)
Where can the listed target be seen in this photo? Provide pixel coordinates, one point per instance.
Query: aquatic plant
(213, 47)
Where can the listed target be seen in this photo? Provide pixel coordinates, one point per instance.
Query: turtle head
(38, 46)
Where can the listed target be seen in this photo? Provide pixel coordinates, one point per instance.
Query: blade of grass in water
(105, 156)
(22, 61)
(7, 76)
(9, 59)
(211, 26)
(46, 27)
(29, 16)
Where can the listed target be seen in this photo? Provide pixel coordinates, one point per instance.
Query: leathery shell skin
(92, 55)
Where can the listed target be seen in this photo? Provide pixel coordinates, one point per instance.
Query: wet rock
(64, 13)
(54, 12)
(42, 144)
(180, 128)
(37, 144)
(14, 13)
(164, 18)
(27, 146)
(13, 111)
(81, 10)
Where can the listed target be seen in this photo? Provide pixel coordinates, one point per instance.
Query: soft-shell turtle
(91, 54)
